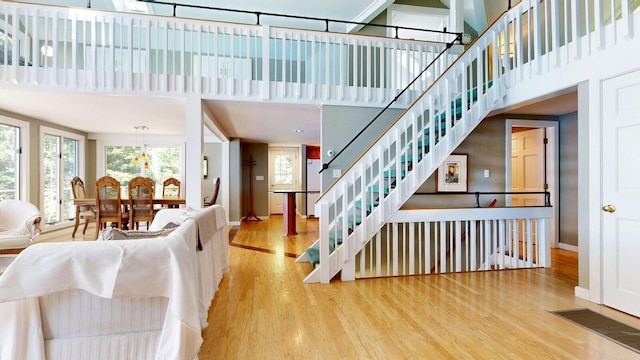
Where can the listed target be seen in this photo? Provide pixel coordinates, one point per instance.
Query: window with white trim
(62, 158)
(13, 135)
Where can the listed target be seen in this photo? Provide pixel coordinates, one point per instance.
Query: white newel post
(194, 150)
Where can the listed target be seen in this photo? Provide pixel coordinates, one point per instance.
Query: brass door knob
(609, 208)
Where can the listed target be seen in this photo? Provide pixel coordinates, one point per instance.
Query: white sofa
(19, 224)
(120, 299)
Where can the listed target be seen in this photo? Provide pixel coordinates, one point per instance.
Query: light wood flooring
(262, 310)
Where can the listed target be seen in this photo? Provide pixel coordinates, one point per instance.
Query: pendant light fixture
(143, 156)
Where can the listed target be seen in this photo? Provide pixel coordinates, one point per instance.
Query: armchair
(19, 224)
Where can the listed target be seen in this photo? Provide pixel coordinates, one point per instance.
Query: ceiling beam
(369, 13)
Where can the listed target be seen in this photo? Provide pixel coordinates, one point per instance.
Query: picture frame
(452, 174)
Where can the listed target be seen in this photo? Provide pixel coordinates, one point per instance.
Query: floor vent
(624, 335)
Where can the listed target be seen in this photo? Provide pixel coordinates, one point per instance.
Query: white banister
(531, 40)
(427, 241)
(128, 53)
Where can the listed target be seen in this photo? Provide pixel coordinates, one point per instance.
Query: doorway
(283, 174)
(528, 172)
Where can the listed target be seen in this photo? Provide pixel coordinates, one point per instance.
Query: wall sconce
(47, 50)
(503, 51)
(504, 40)
(205, 167)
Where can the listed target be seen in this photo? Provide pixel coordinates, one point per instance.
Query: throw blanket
(213, 238)
(110, 269)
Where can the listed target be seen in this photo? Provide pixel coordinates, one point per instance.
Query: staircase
(358, 204)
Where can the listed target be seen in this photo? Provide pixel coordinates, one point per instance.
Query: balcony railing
(101, 51)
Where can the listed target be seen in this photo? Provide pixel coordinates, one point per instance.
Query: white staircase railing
(437, 241)
(356, 206)
(84, 50)
(532, 39)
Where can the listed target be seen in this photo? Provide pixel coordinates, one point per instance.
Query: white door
(527, 166)
(527, 173)
(621, 189)
(283, 175)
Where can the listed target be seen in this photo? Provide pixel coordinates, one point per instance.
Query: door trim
(552, 163)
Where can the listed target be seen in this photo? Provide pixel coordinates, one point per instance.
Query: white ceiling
(263, 122)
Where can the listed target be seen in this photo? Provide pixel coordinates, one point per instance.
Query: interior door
(621, 193)
(283, 175)
(527, 166)
(527, 172)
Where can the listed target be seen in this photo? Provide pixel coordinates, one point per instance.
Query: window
(120, 164)
(9, 161)
(61, 162)
(283, 169)
(162, 162)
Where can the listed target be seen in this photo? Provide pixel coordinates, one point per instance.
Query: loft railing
(445, 36)
(101, 51)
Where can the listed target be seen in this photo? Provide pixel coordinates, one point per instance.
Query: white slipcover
(19, 224)
(143, 299)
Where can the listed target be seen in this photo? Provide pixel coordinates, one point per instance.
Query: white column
(456, 16)
(194, 151)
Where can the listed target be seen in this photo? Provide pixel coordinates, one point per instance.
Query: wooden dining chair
(171, 189)
(109, 204)
(214, 196)
(88, 213)
(140, 201)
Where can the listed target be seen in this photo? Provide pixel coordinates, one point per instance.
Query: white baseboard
(234, 223)
(563, 246)
(581, 293)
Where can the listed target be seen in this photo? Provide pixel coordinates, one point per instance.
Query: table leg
(289, 214)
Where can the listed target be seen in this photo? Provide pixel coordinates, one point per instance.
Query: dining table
(169, 201)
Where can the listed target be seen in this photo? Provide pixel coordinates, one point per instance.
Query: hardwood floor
(262, 310)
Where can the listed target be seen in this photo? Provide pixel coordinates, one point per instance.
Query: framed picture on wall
(452, 174)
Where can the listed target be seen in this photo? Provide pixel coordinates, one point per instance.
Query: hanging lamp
(143, 155)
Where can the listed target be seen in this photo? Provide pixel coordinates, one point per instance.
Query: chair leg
(86, 223)
(98, 226)
(75, 227)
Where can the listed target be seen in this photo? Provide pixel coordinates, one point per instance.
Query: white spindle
(575, 28)
(626, 23)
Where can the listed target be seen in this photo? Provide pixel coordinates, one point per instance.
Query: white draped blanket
(214, 239)
(163, 267)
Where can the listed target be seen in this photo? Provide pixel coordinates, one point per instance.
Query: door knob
(609, 208)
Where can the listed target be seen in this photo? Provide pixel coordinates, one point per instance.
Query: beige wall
(260, 154)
